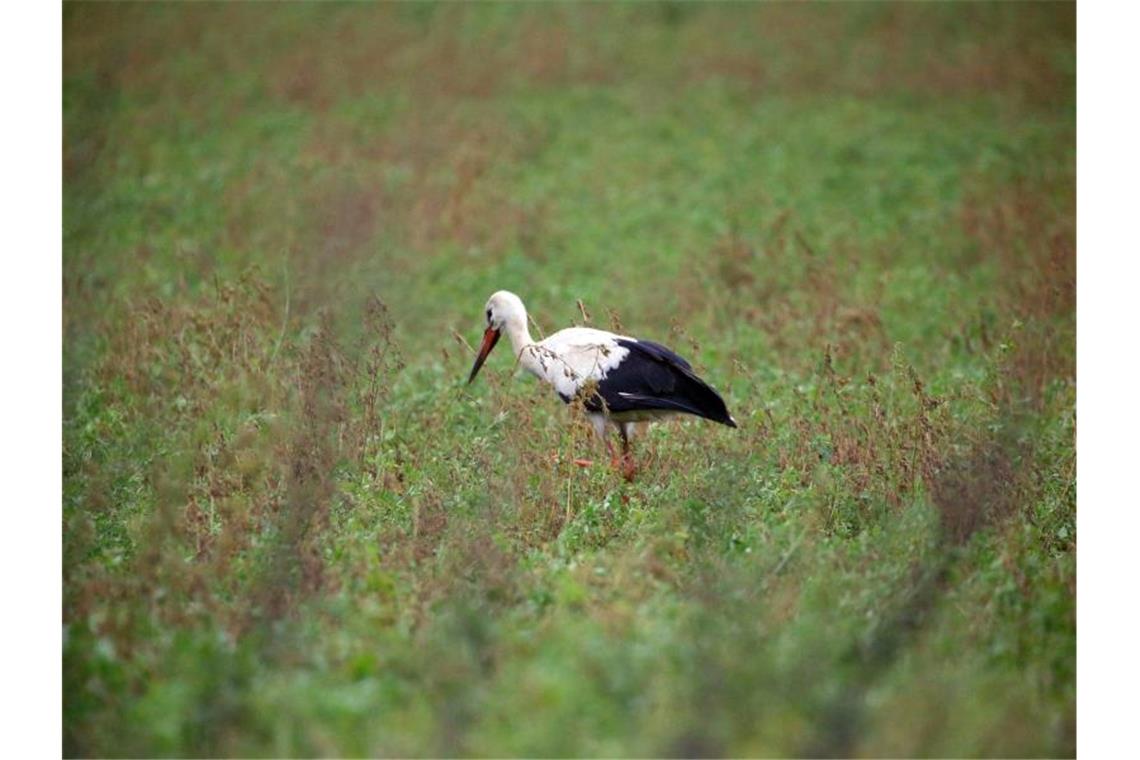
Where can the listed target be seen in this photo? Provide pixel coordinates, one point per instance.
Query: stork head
(504, 311)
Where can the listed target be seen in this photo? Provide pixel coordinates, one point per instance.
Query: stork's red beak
(490, 338)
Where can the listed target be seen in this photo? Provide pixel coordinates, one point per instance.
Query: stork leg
(620, 463)
(628, 466)
(612, 453)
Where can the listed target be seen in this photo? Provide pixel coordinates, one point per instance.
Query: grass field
(290, 529)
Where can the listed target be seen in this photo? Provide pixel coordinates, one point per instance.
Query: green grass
(290, 529)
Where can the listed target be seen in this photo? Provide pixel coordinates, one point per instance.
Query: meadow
(290, 528)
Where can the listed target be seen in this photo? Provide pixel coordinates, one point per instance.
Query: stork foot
(628, 467)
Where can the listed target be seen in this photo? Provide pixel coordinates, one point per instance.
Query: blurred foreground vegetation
(289, 529)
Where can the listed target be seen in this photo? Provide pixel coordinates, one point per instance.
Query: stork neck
(519, 337)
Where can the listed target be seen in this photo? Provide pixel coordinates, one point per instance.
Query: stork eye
(488, 316)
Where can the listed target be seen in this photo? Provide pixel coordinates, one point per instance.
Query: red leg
(628, 466)
(612, 453)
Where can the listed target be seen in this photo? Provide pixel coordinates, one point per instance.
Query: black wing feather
(653, 377)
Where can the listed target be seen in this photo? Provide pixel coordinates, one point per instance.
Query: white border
(1108, 376)
(31, 283)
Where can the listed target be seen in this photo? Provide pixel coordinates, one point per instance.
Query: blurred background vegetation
(290, 530)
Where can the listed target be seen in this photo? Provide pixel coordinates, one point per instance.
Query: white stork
(619, 379)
